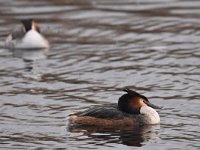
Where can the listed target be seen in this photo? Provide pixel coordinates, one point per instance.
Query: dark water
(98, 47)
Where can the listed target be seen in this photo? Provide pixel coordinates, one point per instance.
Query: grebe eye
(145, 101)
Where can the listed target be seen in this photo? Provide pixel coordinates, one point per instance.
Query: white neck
(151, 116)
(33, 39)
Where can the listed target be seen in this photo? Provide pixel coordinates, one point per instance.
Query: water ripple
(97, 48)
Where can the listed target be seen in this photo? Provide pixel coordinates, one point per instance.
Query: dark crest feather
(27, 24)
(133, 93)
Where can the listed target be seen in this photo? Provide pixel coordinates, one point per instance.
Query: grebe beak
(153, 106)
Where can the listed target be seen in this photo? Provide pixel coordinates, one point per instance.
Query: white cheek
(151, 116)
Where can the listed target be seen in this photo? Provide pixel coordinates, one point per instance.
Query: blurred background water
(98, 47)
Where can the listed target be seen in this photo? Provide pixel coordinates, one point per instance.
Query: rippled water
(98, 47)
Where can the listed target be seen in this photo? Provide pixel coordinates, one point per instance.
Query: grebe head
(30, 24)
(132, 102)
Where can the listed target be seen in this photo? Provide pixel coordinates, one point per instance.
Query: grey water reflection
(131, 136)
(98, 47)
(29, 56)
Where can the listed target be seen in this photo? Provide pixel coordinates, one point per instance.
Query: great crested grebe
(29, 37)
(132, 109)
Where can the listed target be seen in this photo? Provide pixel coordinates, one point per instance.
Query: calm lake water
(97, 48)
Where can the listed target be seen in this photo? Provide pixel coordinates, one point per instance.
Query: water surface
(98, 47)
